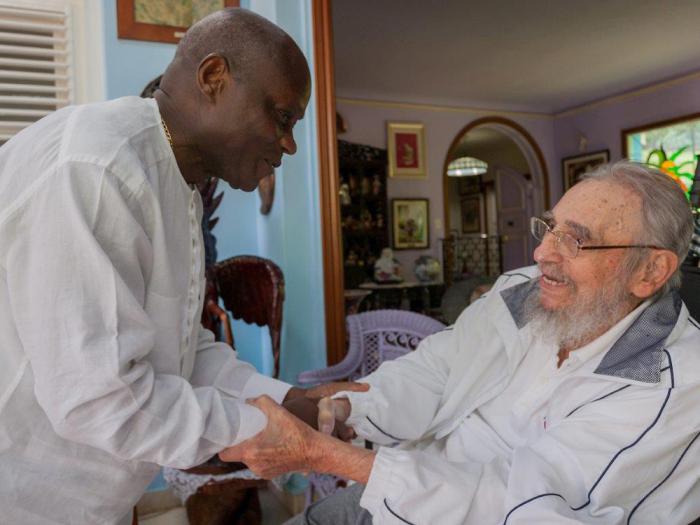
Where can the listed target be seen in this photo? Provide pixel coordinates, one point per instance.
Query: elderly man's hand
(285, 445)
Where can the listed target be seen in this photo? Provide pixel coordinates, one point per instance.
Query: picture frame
(410, 224)
(470, 211)
(574, 167)
(158, 20)
(406, 150)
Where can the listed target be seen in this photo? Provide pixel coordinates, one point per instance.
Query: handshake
(298, 435)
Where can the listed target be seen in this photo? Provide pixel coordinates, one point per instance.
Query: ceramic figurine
(352, 185)
(376, 186)
(366, 220)
(387, 269)
(344, 194)
(352, 259)
(364, 186)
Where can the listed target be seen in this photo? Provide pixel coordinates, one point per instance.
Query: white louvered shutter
(35, 64)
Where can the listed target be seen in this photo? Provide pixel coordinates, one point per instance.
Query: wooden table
(353, 299)
(404, 287)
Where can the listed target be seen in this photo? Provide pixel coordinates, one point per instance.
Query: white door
(514, 198)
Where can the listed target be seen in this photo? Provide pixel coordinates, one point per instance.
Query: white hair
(667, 219)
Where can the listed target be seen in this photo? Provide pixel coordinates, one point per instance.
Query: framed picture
(406, 144)
(410, 224)
(573, 168)
(669, 145)
(163, 20)
(471, 214)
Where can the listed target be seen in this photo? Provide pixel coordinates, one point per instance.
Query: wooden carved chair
(252, 289)
(214, 317)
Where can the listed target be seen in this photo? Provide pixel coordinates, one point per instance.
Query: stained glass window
(671, 147)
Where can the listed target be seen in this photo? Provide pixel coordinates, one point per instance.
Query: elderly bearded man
(105, 370)
(568, 394)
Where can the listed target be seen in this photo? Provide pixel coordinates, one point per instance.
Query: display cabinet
(363, 209)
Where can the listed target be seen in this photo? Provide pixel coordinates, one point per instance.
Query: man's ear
(654, 273)
(213, 75)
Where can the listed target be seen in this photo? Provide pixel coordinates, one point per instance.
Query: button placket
(194, 295)
(191, 291)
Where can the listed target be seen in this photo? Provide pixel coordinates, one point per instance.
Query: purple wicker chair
(374, 337)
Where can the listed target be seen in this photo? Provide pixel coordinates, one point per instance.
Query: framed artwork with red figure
(406, 145)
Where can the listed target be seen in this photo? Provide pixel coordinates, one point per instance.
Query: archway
(515, 187)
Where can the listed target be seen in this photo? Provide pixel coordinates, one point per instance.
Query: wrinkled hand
(284, 445)
(330, 389)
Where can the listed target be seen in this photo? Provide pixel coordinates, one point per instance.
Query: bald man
(105, 371)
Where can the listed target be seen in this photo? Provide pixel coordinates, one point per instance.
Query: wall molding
(441, 108)
(634, 93)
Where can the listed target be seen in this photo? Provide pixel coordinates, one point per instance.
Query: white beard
(587, 318)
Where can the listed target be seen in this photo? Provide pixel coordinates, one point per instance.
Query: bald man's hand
(309, 411)
(330, 389)
(325, 390)
(315, 408)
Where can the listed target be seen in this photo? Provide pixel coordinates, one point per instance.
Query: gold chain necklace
(170, 141)
(167, 132)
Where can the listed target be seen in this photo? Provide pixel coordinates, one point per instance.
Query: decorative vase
(427, 268)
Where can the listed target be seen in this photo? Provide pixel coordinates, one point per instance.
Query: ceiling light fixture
(466, 167)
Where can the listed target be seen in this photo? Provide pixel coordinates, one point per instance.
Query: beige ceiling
(531, 55)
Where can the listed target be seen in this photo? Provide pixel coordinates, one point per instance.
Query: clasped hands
(290, 442)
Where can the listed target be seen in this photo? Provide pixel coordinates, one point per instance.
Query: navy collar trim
(638, 354)
(515, 298)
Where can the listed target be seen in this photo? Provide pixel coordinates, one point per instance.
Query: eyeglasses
(568, 245)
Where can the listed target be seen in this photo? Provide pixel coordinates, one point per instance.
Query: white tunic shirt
(487, 437)
(105, 371)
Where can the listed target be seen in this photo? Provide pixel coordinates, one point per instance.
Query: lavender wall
(367, 125)
(602, 123)
(558, 136)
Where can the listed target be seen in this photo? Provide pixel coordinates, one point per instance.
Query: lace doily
(185, 484)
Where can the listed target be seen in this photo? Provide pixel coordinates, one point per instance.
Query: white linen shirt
(105, 370)
(611, 441)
